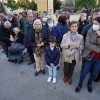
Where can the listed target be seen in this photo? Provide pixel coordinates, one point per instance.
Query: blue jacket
(63, 28)
(28, 31)
(85, 30)
(52, 56)
(56, 32)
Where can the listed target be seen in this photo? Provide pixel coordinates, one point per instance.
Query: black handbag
(89, 57)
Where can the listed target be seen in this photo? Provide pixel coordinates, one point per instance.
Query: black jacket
(5, 34)
(32, 39)
(19, 37)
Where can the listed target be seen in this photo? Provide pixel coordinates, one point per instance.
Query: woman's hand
(73, 45)
(11, 38)
(42, 44)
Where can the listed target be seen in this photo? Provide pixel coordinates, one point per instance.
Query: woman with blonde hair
(82, 22)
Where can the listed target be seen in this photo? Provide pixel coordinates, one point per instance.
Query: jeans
(30, 52)
(52, 71)
(94, 66)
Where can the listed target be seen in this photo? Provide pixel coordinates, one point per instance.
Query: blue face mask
(44, 19)
(50, 25)
(84, 18)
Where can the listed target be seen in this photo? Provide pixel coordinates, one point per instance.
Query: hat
(97, 19)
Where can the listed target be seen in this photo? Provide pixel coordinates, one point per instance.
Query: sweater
(52, 56)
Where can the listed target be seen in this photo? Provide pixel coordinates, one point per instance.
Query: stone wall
(69, 3)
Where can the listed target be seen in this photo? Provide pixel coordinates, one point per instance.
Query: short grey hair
(16, 29)
(49, 19)
(6, 24)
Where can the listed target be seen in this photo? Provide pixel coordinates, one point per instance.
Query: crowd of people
(46, 43)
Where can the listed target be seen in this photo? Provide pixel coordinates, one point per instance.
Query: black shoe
(57, 67)
(97, 79)
(78, 88)
(36, 73)
(89, 87)
(43, 72)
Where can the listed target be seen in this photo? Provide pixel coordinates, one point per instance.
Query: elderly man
(28, 30)
(5, 31)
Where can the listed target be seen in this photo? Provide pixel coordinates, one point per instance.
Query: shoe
(70, 81)
(78, 88)
(43, 72)
(36, 73)
(49, 79)
(97, 79)
(65, 79)
(57, 68)
(54, 80)
(89, 87)
(29, 63)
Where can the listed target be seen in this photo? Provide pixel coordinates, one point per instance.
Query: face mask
(84, 18)
(38, 27)
(50, 25)
(44, 19)
(95, 27)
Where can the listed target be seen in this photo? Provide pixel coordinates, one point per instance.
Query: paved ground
(17, 82)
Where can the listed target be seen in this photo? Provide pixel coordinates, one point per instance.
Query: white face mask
(95, 27)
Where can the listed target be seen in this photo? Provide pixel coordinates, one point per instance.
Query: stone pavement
(18, 82)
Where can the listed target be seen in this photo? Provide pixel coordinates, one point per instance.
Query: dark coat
(55, 32)
(32, 39)
(20, 37)
(85, 30)
(63, 28)
(28, 30)
(14, 22)
(52, 56)
(81, 25)
(5, 34)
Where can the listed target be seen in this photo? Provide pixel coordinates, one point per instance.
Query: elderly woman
(91, 55)
(72, 43)
(15, 50)
(38, 41)
(16, 36)
(53, 31)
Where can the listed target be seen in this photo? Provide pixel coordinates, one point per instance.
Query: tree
(57, 5)
(12, 4)
(26, 4)
(23, 4)
(32, 5)
(89, 3)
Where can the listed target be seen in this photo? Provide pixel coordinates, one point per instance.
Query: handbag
(89, 57)
(16, 47)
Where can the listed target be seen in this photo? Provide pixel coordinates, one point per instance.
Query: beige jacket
(92, 43)
(66, 49)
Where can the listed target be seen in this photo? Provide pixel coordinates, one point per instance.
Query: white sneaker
(54, 79)
(49, 79)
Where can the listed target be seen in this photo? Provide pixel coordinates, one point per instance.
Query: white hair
(16, 29)
(7, 24)
(38, 20)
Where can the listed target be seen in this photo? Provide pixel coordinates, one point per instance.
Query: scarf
(73, 38)
(38, 40)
